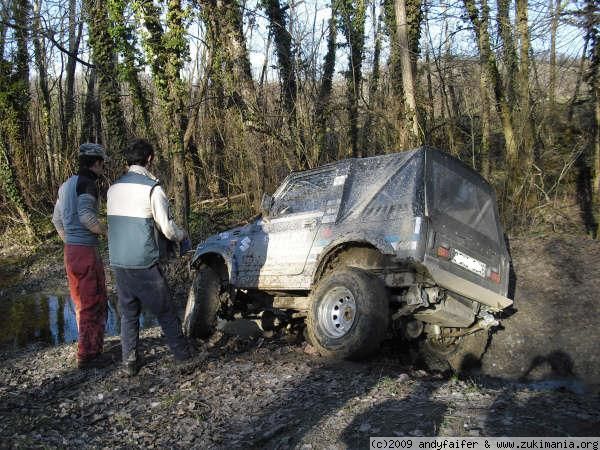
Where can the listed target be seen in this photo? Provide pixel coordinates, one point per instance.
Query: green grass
(389, 386)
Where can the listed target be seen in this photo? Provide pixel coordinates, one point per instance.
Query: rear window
(464, 201)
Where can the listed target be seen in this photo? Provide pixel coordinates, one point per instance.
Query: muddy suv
(408, 242)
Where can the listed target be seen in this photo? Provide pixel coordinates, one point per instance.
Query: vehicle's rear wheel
(203, 304)
(349, 314)
(457, 354)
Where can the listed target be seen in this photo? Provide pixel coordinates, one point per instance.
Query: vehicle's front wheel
(349, 314)
(203, 304)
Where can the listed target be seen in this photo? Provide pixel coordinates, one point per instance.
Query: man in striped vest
(138, 217)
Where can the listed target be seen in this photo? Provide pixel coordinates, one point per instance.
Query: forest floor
(539, 376)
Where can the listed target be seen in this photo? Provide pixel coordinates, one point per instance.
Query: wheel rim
(337, 312)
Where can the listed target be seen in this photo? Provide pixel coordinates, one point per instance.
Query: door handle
(309, 223)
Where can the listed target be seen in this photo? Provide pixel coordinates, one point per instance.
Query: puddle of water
(50, 319)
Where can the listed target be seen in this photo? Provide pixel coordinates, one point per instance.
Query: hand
(185, 236)
(98, 228)
(185, 246)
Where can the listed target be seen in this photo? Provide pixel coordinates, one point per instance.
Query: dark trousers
(147, 288)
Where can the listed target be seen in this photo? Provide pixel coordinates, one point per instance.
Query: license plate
(469, 263)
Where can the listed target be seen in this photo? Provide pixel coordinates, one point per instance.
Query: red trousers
(85, 273)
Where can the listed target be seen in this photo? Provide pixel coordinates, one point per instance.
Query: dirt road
(271, 393)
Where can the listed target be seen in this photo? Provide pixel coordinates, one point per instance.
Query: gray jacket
(76, 209)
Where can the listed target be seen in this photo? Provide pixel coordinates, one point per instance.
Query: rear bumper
(465, 288)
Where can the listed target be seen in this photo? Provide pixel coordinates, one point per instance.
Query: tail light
(443, 252)
(494, 276)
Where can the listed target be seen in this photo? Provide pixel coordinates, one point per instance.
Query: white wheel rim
(337, 312)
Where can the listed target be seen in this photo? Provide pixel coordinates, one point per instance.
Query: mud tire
(203, 304)
(371, 317)
(460, 356)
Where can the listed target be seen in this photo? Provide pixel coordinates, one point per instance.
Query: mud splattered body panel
(405, 205)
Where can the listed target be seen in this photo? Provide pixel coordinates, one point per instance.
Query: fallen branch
(223, 200)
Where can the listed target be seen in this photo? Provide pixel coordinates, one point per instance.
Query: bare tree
(352, 21)
(167, 50)
(103, 55)
(324, 96)
(523, 114)
(408, 81)
(91, 128)
(285, 55)
(592, 20)
(480, 22)
(509, 53)
(74, 36)
(42, 75)
(555, 8)
(368, 141)
(15, 153)
(127, 46)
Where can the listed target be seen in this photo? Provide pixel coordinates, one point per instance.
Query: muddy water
(50, 319)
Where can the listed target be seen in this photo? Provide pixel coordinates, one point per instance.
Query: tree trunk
(580, 74)
(484, 152)
(593, 33)
(368, 141)
(241, 84)
(408, 82)
(75, 30)
(287, 74)
(167, 53)
(596, 161)
(12, 190)
(40, 61)
(488, 63)
(214, 111)
(14, 103)
(509, 54)
(554, 8)
(430, 115)
(91, 127)
(446, 111)
(175, 61)
(352, 15)
(285, 55)
(324, 97)
(4, 18)
(19, 132)
(524, 102)
(102, 46)
(126, 41)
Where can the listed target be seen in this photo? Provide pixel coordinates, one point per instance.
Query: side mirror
(265, 204)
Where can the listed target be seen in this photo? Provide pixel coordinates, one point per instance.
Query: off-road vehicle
(409, 242)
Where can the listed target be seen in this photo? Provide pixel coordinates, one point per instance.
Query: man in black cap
(76, 221)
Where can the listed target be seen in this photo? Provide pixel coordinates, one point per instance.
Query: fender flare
(204, 250)
(376, 241)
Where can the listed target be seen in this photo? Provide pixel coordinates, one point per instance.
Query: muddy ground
(539, 376)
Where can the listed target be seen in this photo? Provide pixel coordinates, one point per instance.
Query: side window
(400, 189)
(304, 193)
